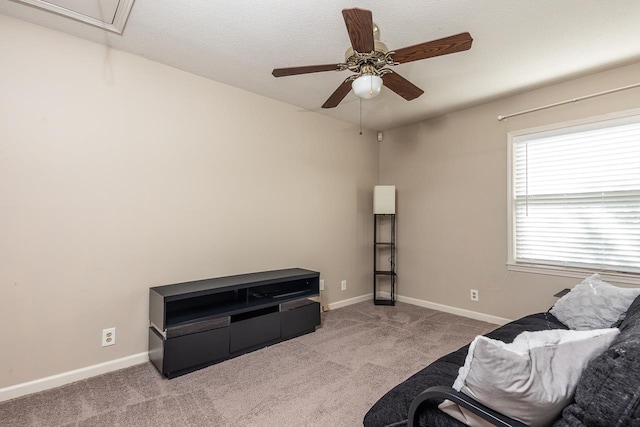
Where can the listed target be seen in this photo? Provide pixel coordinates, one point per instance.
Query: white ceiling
(518, 45)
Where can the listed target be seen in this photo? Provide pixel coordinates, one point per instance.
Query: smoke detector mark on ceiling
(108, 14)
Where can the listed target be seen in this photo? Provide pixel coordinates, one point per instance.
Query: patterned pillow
(593, 304)
(608, 391)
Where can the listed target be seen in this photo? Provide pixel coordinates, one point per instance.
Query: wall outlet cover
(108, 337)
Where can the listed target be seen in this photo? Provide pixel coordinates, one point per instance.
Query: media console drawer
(249, 333)
(299, 320)
(196, 324)
(196, 349)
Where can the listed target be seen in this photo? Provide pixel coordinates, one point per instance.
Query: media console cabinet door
(300, 320)
(195, 350)
(252, 332)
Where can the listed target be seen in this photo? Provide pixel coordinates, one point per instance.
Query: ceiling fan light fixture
(367, 86)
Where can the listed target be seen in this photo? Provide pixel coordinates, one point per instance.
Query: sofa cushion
(593, 304)
(608, 393)
(393, 407)
(531, 379)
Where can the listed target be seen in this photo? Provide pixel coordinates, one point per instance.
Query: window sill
(607, 276)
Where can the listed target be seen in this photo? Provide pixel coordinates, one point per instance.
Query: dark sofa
(607, 395)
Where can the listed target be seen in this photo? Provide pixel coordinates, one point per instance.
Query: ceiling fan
(368, 57)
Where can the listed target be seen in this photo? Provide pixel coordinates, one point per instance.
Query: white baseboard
(58, 380)
(454, 310)
(427, 304)
(346, 302)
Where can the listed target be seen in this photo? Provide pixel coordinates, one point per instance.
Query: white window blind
(576, 196)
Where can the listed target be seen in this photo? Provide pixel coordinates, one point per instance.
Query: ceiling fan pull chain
(360, 116)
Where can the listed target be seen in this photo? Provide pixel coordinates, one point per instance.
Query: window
(575, 197)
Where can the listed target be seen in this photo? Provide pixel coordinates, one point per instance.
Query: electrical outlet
(322, 284)
(108, 337)
(475, 295)
(343, 285)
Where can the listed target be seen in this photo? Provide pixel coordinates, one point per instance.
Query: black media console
(196, 324)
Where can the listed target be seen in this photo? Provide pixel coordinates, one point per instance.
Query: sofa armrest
(464, 401)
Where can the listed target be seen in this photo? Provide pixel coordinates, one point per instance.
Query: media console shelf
(196, 324)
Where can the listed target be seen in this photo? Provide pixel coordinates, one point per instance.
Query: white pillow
(531, 379)
(593, 304)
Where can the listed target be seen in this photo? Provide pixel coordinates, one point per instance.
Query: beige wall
(117, 174)
(451, 178)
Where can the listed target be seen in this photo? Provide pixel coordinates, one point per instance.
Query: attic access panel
(108, 14)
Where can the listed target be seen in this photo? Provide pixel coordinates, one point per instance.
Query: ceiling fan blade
(444, 46)
(292, 71)
(338, 95)
(401, 86)
(359, 24)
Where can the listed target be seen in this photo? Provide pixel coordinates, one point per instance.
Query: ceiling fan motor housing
(368, 62)
(378, 46)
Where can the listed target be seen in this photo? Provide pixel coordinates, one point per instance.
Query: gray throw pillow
(531, 379)
(593, 304)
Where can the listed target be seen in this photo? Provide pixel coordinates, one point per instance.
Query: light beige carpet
(328, 378)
